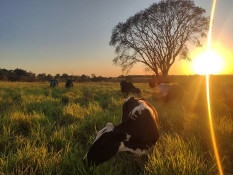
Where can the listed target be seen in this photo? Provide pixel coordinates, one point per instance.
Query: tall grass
(47, 130)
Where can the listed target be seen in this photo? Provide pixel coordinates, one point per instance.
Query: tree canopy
(158, 35)
(25, 76)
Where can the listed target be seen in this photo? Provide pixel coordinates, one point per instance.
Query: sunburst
(209, 62)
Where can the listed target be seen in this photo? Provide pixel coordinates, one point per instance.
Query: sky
(72, 36)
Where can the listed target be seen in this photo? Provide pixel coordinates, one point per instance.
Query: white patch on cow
(108, 128)
(139, 109)
(122, 147)
(127, 99)
(133, 117)
(137, 151)
(127, 137)
(164, 89)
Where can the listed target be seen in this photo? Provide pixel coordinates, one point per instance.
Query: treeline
(25, 76)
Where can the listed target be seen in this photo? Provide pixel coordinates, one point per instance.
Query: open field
(47, 130)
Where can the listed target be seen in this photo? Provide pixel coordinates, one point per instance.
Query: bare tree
(159, 34)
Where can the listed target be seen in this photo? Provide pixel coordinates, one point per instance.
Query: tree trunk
(156, 73)
(165, 72)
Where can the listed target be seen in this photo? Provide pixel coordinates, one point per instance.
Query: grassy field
(49, 131)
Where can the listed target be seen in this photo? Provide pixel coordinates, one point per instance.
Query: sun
(209, 62)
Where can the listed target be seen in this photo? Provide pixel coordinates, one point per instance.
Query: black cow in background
(152, 84)
(128, 87)
(69, 83)
(53, 83)
(137, 132)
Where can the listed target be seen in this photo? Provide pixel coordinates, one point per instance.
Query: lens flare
(208, 94)
(208, 63)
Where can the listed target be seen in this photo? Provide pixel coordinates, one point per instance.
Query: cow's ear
(110, 125)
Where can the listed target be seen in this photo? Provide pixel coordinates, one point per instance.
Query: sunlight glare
(208, 62)
(208, 94)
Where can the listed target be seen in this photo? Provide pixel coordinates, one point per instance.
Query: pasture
(47, 130)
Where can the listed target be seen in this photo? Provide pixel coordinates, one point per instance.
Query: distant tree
(57, 76)
(19, 75)
(158, 35)
(100, 78)
(129, 78)
(64, 77)
(84, 78)
(41, 77)
(20, 72)
(11, 75)
(77, 78)
(121, 76)
(31, 76)
(93, 77)
(49, 77)
(4, 74)
(22, 75)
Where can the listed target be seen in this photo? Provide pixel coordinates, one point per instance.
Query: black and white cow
(128, 87)
(137, 132)
(170, 91)
(53, 83)
(69, 83)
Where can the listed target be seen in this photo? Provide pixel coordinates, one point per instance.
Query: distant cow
(128, 87)
(169, 91)
(69, 83)
(53, 83)
(164, 89)
(152, 84)
(227, 92)
(137, 132)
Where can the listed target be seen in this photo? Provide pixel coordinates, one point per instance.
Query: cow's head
(128, 106)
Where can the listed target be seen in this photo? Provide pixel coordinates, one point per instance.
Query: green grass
(47, 130)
